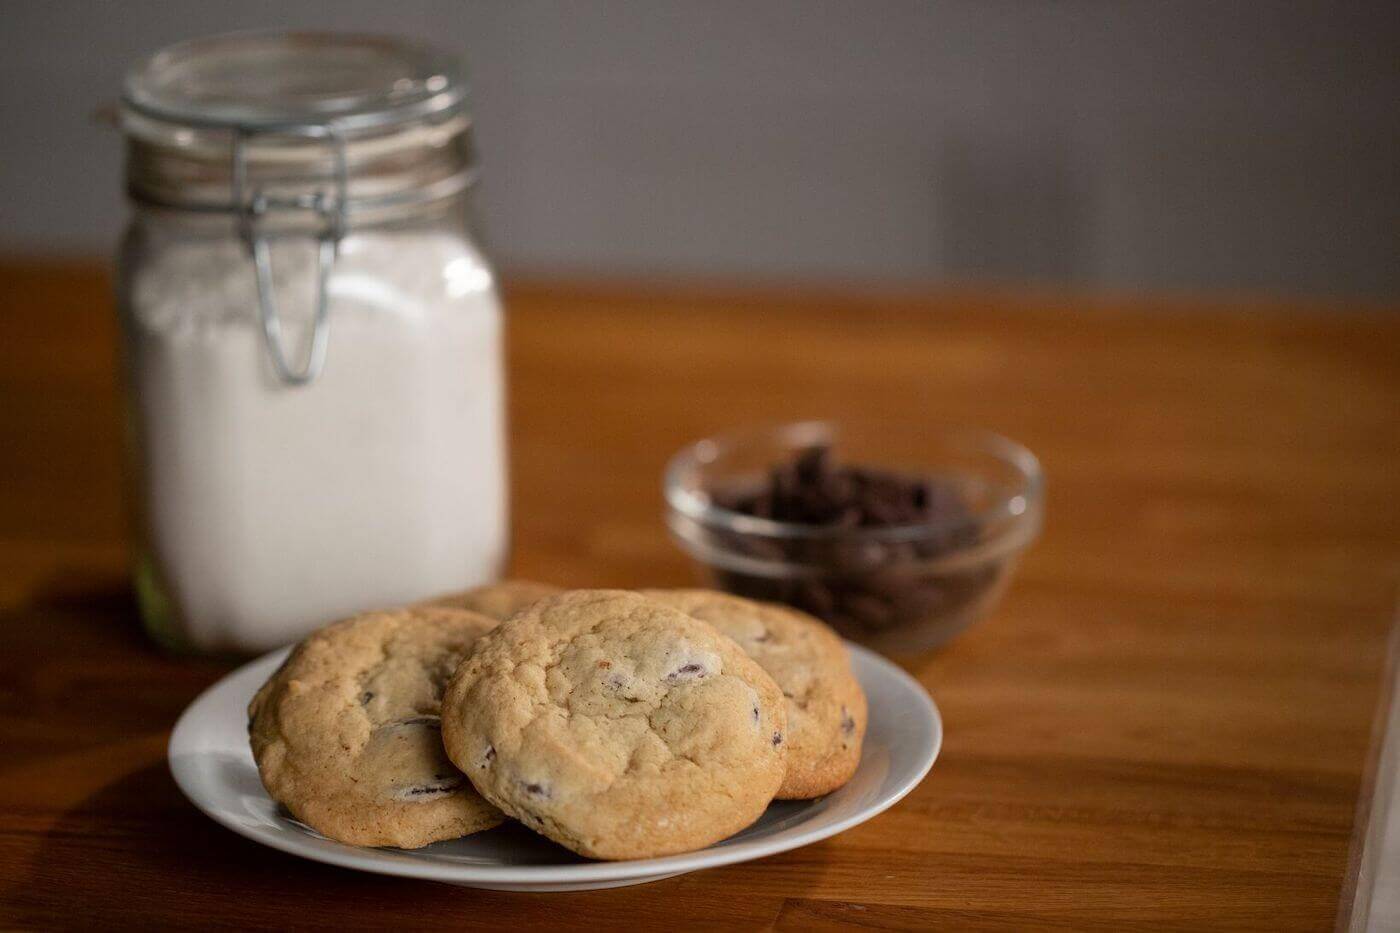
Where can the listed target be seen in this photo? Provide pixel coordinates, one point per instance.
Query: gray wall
(1119, 145)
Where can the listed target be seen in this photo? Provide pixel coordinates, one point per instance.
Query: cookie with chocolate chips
(826, 709)
(346, 733)
(500, 600)
(617, 726)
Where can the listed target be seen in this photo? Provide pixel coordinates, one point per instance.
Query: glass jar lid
(268, 80)
(370, 121)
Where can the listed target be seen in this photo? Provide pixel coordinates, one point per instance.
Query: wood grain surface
(1162, 726)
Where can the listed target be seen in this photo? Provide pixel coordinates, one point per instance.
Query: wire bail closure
(254, 204)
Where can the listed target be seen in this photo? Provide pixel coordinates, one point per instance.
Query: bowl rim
(1024, 501)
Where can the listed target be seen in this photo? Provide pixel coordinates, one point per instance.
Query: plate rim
(710, 857)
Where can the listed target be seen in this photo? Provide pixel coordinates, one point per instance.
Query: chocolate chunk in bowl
(897, 552)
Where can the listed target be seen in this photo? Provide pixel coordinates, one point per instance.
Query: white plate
(211, 761)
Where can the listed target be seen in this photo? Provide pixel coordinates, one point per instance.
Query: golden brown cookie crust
(826, 707)
(617, 726)
(346, 732)
(500, 600)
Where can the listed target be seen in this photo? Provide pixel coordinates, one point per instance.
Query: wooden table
(1165, 724)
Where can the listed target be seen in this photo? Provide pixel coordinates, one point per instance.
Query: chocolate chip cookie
(617, 726)
(346, 733)
(826, 708)
(500, 600)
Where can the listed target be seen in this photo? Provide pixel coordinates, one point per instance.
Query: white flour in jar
(272, 509)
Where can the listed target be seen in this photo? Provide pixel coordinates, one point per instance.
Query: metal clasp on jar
(254, 204)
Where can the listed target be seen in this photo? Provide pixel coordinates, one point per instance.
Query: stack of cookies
(618, 724)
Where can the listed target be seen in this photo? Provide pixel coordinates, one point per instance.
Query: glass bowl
(899, 588)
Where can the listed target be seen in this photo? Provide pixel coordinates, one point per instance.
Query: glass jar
(311, 337)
